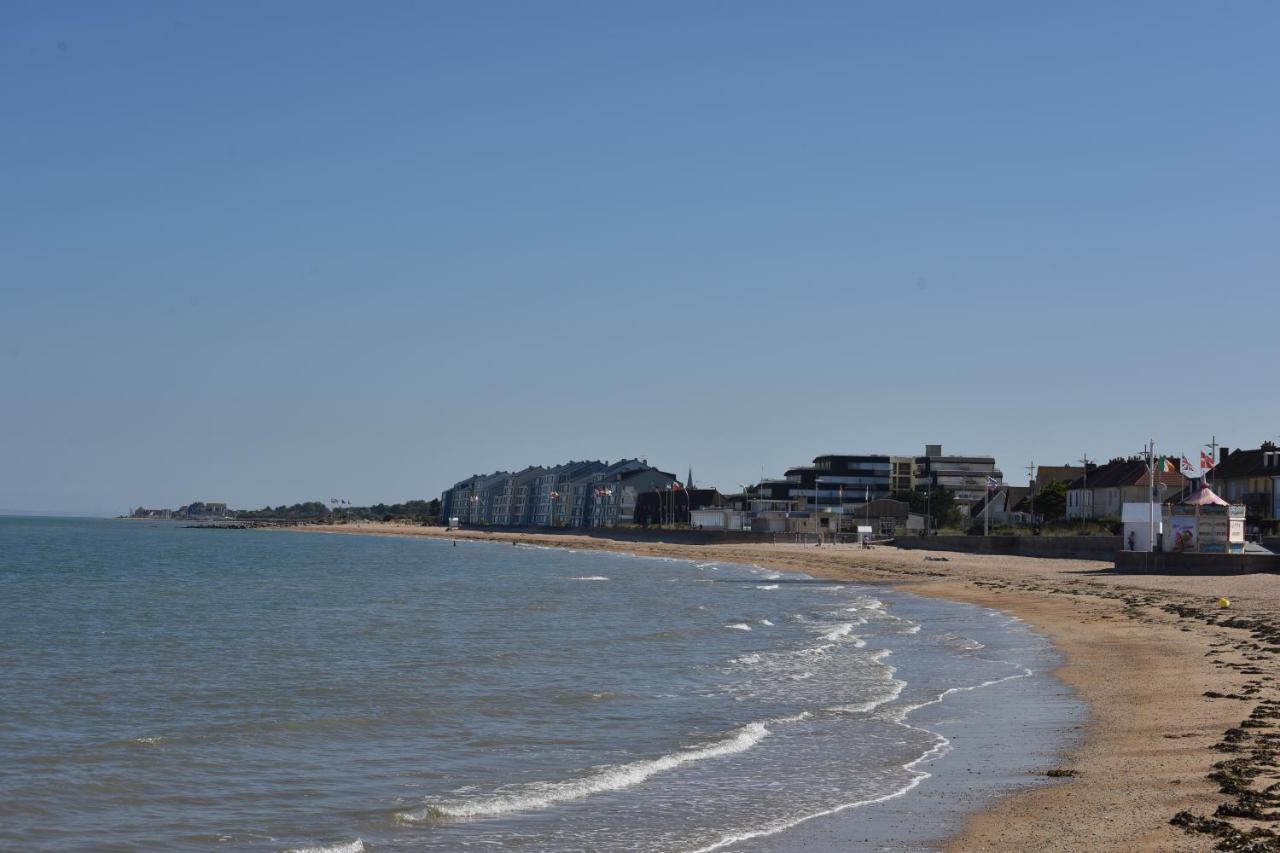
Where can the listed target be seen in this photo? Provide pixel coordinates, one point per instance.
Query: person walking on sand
(1133, 540)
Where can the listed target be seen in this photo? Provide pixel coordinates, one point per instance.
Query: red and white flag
(1206, 461)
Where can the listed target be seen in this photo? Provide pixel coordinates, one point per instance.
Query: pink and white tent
(1205, 497)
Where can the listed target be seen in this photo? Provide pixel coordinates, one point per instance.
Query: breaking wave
(539, 795)
(356, 846)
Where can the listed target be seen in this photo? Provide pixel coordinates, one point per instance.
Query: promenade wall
(639, 534)
(1060, 547)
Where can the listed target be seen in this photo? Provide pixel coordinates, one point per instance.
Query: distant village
(194, 511)
(845, 497)
(840, 496)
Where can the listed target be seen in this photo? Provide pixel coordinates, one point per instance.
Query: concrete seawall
(1139, 562)
(1061, 547)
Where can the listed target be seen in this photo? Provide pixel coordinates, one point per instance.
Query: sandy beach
(1178, 750)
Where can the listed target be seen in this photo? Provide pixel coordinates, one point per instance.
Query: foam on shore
(539, 795)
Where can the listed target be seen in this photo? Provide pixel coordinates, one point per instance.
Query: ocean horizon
(268, 690)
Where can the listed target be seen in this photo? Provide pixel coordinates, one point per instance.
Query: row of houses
(1248, 477)
(1252, 478)
(1101, 491)
(589, 493)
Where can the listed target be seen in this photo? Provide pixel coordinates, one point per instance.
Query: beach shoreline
(1166, 681)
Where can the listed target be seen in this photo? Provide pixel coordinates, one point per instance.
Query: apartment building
(967, 477)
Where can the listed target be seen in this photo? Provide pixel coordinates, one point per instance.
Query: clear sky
(264, 253)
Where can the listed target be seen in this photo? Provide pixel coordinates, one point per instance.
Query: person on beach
(1133, 540)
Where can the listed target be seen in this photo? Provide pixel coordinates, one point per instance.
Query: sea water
(186, 689)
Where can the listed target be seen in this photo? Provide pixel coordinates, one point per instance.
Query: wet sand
(1182, 695)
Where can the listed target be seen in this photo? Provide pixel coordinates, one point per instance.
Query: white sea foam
(941, 746)
(895, 690)
(839, 631)
(766, 622)
(739, 626)
(356, 846)
(768, 586)
(590, 578)
(961, 642)
(539, 795)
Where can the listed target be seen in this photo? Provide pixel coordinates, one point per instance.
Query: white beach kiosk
(1136, 518)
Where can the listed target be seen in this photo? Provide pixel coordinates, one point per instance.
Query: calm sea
(179, 689)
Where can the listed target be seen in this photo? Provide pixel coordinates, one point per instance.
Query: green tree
(1051, 501)
(943, 507)
(939, 504)
(916, 501)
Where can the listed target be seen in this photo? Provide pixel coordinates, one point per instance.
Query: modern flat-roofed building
(902, 473)
(831, 481)
(967, 477)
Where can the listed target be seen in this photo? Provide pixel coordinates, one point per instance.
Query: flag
(992, 484)
(1206, 461)
(677, 487)
(1187, 467)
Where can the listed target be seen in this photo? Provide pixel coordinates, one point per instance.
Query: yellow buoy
(1224, 603)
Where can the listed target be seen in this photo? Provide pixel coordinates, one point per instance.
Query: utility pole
(1084, 492)
(1213, 457)
(1031, 480)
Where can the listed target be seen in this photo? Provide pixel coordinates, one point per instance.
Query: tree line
(417, 511)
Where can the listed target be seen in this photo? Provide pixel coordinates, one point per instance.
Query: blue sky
(278, 252)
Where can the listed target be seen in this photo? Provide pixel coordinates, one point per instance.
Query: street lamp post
(928, 510)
